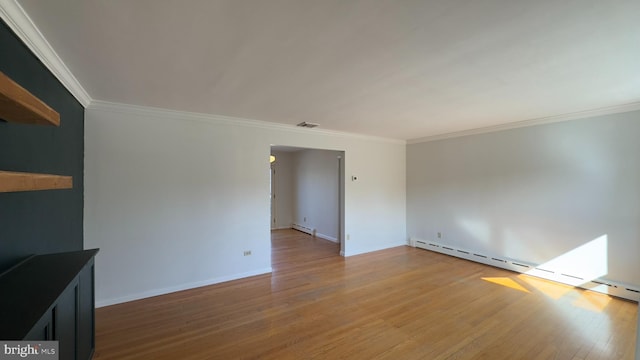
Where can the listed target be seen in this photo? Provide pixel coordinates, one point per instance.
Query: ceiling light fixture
(307, 125)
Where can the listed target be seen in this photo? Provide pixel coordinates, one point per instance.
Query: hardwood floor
(400, 303)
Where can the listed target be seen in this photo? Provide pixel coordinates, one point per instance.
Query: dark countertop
(31, 287)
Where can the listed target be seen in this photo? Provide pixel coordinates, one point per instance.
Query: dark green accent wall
(49, 221)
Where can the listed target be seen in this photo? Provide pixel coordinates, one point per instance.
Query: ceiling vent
(307, 125)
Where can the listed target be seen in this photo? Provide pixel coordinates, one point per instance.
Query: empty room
(322, 179)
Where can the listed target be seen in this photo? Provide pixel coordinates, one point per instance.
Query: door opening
(307, 192)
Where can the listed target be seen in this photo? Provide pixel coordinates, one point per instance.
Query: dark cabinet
(51, 297)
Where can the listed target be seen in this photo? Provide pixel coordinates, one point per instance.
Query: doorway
(307, 192)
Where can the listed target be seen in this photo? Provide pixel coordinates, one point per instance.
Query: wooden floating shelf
(19, 181)
(20, 106)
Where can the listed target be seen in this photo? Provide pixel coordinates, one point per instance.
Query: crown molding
(532, 122)
(17, 19)
(99, 105)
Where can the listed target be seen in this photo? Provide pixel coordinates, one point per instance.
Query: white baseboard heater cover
(304, 229)
(599, 285)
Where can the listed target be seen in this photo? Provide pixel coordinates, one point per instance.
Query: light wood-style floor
(400, 303)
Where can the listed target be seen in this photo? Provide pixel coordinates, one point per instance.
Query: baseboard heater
(599, 285)
(304, 229)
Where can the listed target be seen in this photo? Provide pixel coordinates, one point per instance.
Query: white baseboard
(171, 289)
(304, 229)
(326, 237)
(282, 227)
(600, 285)
(313, 232)
(364, 250)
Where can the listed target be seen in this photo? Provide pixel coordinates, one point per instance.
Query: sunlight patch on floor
(549, 288)
(505, 281)
(592, 301)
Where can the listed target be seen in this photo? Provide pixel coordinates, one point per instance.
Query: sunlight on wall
(479, 229)
(580, 265)
(576, 267)
(516, 243)
(583, 264)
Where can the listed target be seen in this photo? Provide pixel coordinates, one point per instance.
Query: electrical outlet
(348, 236)
(439, 235)
(304, 219)
(247, 253)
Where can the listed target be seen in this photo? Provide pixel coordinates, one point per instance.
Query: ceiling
(397, 69)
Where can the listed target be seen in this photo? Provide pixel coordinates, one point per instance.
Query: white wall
(173, 199)
(283, 183)
(534, 193)
(316, 191)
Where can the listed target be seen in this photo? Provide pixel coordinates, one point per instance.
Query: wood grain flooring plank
(399, 303)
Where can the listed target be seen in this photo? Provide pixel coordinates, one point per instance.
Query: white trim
(304, 229)
(281, 228)
(600, 285)
(373, 248)
(326, 237)
(223, 120)
(168, 290)
(17, 19)
(532, 122)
